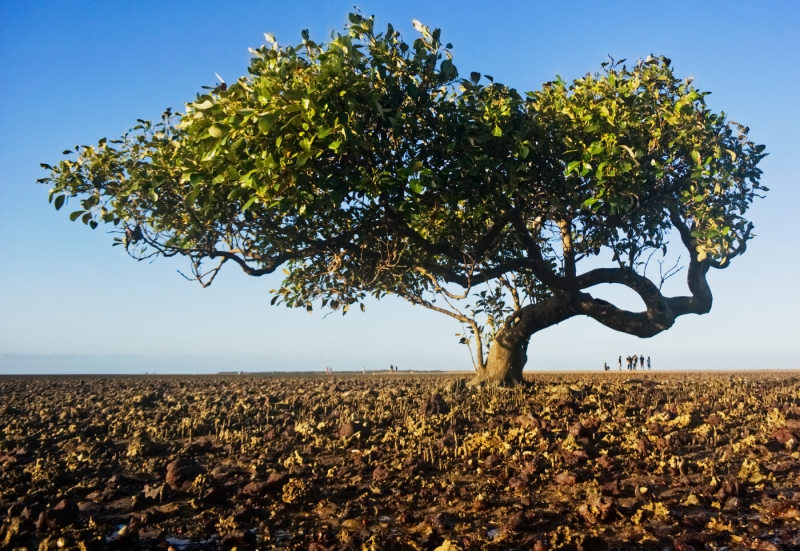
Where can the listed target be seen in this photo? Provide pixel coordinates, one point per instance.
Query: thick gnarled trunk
(507, 358)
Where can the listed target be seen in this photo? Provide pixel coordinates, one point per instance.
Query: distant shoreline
(387, 373)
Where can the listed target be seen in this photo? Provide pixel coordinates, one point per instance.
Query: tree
(366, 166)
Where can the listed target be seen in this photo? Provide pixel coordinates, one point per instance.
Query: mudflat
(401, 461)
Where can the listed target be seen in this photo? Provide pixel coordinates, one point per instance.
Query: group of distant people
(632, 362)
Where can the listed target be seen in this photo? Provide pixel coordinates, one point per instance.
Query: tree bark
(508, 353)
(507, 358)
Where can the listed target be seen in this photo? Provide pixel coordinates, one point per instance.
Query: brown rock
(41, 522)
(527, 421)
(277, 480)
(349, 429)
(520, 482)
(785, 436)
(662, 529)
(435, 405)
(574, 457)
(611, 488)
(654, 428)
(592, 424)
(381, 473)
(63, 514)
(579, 431)
(256, 488)
(566, 478)
(606, 463)
(695, 520)
(515, 523)
(180, 478)
(439, 521)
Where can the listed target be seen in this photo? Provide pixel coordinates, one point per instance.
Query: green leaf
(266, 123)
(448, 70)
(192, 197)
(204, 105)
(60, 201)
(630, 152)
(571, 167)
(74, 216)
(215, 131)
(335, 145)
(696, 157)
(302, 158)
(249, 203)
(497, 132)
(475, 77)
(235, 193)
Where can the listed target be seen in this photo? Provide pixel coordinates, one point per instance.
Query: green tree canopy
(368, 166)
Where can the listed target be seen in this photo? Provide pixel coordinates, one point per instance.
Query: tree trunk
(507, 358)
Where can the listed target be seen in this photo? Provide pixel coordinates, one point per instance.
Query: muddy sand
(403, 461)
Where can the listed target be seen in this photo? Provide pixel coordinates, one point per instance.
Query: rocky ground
(401, 461)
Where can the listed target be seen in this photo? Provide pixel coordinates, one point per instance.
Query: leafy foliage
(367, 166)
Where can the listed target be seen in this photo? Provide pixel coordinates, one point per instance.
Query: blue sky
(75, 72)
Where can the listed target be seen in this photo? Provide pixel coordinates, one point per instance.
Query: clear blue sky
(73, 72)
